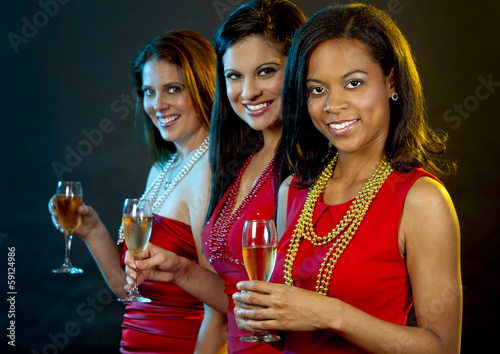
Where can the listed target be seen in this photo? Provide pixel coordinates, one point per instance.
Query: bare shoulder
(286, 184)
(282, 206)
(428, 195)
(200, 175)
(197, 196)
(283, 192)
(429, 217)
(153, 173)
(197, 187)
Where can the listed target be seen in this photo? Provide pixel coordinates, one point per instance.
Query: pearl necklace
(343, 231)
(153, 190)
(220, 229)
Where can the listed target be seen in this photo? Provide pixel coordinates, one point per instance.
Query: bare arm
(429, 228)
(102, 247)
(212, 336)
(200, 280)
(106, 254)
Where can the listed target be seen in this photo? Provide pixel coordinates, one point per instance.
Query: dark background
(66, 87)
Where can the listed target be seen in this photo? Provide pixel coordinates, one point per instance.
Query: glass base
(68, 269)
(133, 298)
(260, 337)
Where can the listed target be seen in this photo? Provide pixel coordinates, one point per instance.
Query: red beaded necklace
(220, 230)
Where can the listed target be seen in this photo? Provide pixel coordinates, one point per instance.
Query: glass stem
(135, 290)
(67, 248)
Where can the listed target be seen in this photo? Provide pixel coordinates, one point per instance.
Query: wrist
(333, 319)
(95, 232)
(182, 274)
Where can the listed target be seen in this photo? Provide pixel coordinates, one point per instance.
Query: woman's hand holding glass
(155, 264)
(259, 242)
(137, 222)
(267, 306)
(88, 223)
(85, 223)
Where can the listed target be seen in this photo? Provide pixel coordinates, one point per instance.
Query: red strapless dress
(231, 266)
(170, 323)
(370, 275)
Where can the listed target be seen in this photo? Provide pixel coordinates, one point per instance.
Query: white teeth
(341, 125)
(257, 107)
(169, 119)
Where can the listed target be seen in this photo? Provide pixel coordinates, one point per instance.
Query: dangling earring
(395, 96)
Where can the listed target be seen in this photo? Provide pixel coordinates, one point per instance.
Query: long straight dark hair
(191, 52)
(231, 139)
(410, 143)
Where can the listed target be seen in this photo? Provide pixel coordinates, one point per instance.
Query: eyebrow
(343, 76)
(269, 63)
(258, 67)
(354, 72)
(314, 80)
(166, 85)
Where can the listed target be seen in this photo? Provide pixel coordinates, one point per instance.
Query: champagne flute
(137, 220)
(68, 199)
(259, 243)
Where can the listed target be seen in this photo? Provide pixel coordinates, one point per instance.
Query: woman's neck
(187, 148)
(271, 137)
(357, 166)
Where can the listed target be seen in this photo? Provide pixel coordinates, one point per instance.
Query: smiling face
(168, 103)
(349, 95)
(254, 70)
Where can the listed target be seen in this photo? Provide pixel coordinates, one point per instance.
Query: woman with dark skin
(370, 238)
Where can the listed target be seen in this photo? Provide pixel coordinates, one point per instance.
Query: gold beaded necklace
(343, 232)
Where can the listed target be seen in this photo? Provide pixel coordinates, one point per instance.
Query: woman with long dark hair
(251, 48)
(370, 248)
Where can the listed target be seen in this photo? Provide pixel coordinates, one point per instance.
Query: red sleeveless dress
(170, 323)
(370, 275)
(231, 267)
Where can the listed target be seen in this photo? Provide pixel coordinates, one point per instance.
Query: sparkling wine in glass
(259, 243)
(137, 220)
(68, 199)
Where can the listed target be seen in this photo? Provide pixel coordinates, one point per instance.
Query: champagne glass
(68, 199)
(259, 255)
(137, 220)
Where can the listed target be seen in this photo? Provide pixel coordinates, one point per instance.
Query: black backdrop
(67, 113)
